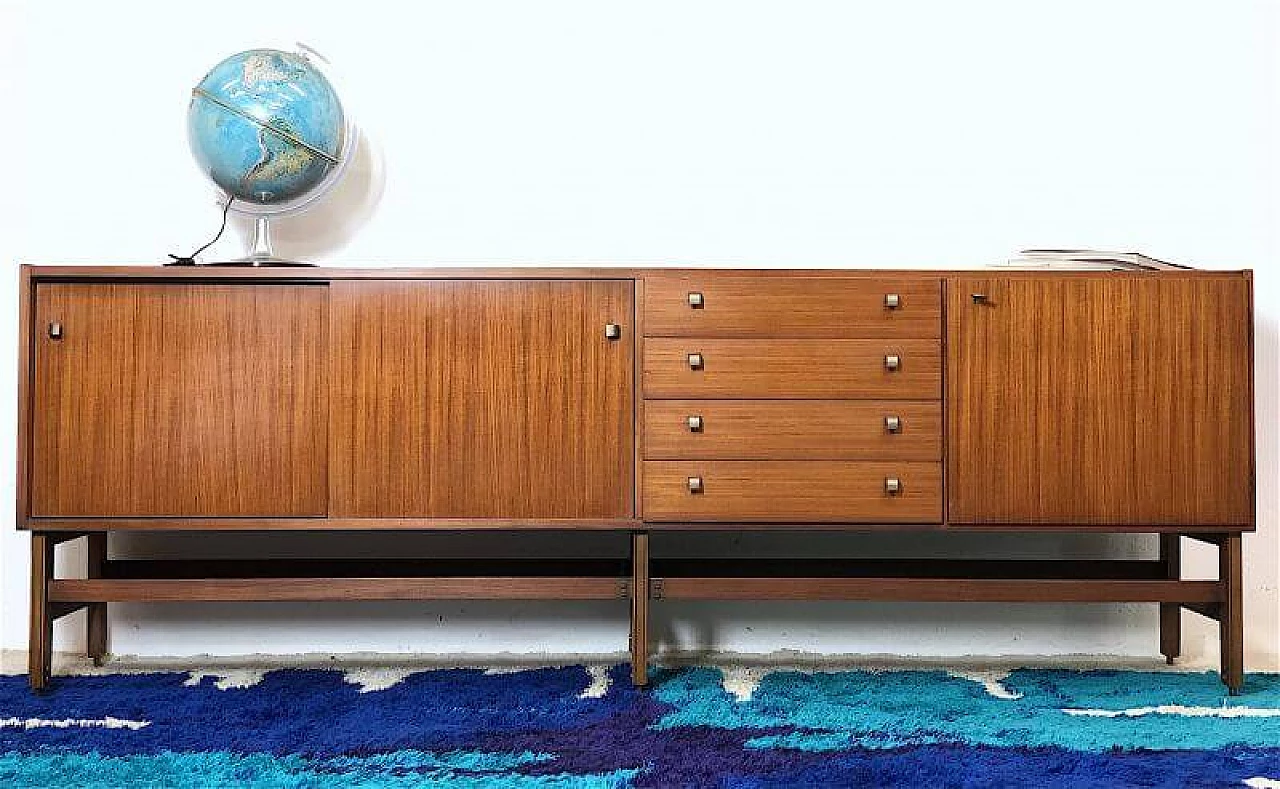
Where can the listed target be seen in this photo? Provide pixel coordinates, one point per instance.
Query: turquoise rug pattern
(579, 727)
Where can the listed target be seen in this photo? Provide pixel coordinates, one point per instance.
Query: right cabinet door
(1108, 399)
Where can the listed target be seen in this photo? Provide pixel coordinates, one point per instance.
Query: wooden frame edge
(939, 590)
(319, 589)
(26, 314)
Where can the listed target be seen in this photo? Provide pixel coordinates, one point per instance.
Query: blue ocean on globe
(266, 126)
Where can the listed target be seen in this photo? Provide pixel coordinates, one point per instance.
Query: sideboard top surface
(324, 274)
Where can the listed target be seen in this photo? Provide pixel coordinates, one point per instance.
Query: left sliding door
(179, 399)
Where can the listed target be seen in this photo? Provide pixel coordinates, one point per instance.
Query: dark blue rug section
(574, 728)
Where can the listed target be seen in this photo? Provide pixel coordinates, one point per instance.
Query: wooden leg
(1231, 623)
(40, 644)
(1171, 613)
(97, 612)
(640, 609)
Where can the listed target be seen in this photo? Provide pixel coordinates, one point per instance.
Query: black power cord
(190, 260)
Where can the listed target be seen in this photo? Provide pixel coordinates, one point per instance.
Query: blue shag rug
(578, 727)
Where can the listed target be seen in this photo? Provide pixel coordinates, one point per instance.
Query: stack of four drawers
(796, 400)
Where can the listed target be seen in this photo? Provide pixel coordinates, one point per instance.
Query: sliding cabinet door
(482, 399)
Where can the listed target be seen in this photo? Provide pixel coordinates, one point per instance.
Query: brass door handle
(892, 486)
(612, 331)
(893, 424)
(695, 300)
(695, 361)
(695, 484)
(55, 330)
(892, 361)
(891, 301)
(695, 424)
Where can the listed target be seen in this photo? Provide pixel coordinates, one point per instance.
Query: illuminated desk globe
(268, 128)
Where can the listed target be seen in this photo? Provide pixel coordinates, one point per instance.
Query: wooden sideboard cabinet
(641, 401)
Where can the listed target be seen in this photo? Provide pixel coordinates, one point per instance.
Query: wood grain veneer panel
(793, 429)
(804, 491)
(791, 306)
(179, 400)
(481, 399)
(1099, 400)
(820, 369)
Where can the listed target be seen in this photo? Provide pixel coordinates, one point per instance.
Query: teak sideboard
(639, 400)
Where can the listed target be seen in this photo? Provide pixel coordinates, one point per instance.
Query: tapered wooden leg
(1171, 613)
(640, 609)
(97, 612)
(40, 644)
(1231, 623)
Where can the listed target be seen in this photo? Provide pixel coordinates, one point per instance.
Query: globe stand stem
(261, 254)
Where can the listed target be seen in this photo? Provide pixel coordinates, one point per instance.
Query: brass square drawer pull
(695, 424)
(695, 361)
(892, 301)
(892, 486)
(892, 361)
(695, 484)
(612, 331)
(695, 300)
(893, 424)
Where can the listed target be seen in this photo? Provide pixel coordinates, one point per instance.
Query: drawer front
(714, 306)
(793, 429)
(859, 369)
(797, 491)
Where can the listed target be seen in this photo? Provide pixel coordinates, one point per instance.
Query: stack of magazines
(1087, 259)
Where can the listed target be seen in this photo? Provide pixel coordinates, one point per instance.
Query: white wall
(869, 134)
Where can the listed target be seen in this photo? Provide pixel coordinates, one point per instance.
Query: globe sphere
(269, 129)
